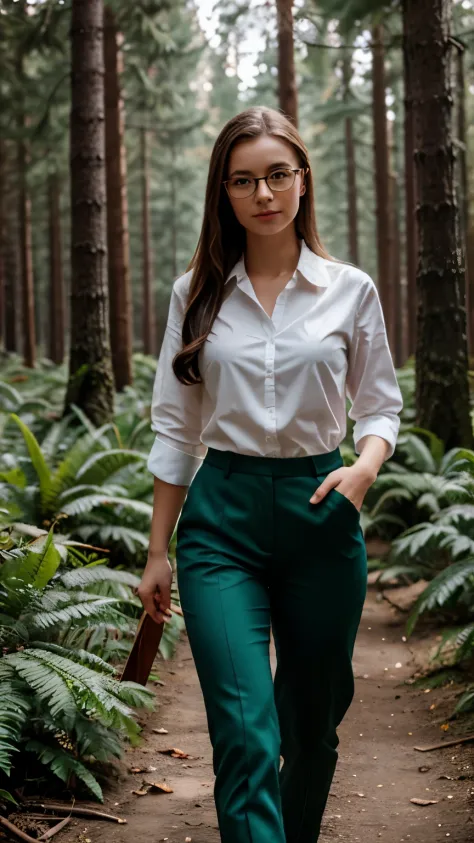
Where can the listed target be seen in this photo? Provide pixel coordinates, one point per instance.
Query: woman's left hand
(350, 481)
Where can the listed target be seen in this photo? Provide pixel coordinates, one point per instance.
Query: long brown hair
(222, 238)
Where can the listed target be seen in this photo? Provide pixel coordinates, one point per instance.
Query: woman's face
(263, 156)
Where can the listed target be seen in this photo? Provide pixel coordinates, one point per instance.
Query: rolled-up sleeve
(371, 382)
(177, 451)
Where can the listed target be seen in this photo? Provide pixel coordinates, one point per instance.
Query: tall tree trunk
(12, 278)
(397, 302)
(3, 167)
(149, 343)
(411, 220)
(26, 256)
(287, 91)
(24, 220)
(174, 214)
(10, 251)
(91, 384)
(56, 276)
(120, 294)
(462, 180)
(352, 219)
(381, 158)
(442, 395)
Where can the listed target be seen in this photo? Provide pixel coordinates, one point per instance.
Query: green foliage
(103, 491)
(62, 703)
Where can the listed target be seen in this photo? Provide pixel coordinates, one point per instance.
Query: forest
(108, 114)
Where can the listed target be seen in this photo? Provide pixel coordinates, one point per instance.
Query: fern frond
(107, 534)
(48, 683)
(442, 589)
(99, 573)
(64, 765)
(10, 398)
(81, 656)
(14, 710)
(420, 539)
(466, 703)
(89, 502)
(100, 467)
(91, 608)
(37, 460)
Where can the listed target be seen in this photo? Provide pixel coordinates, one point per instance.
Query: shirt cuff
(172, 465)
(385, 426)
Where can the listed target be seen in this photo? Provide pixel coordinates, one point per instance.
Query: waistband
(311, 465)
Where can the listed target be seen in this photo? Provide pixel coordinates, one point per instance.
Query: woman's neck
(272, 257)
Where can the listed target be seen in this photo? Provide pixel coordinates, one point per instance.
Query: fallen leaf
(159, 787)
(424, 801)
(444, 727)
(175, 753)
(142, 792)
(160, 731)
(423, 769)
(137, 770)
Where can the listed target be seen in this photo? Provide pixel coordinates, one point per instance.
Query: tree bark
(287, 91)
(3, 166)
(382, 189)
(352, 218)
(442, 395)
(173, 207)
(149, 343)
(120, 294)
(462, 180)
(397, 301)
(411, 239)
(12, 283)
(10, 251)
(56, 276)
(24, 221)
(90, 385)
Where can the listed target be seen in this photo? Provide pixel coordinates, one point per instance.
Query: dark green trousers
(253, 553)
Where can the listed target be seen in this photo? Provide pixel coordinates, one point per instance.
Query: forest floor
(378, 770)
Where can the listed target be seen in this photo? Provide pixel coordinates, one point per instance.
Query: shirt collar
(310, 265)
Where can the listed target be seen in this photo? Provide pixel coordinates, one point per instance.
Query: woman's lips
(267, 215)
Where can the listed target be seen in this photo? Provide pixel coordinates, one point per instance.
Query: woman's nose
(263, 189)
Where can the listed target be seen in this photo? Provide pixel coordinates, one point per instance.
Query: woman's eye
(239, 182)
(281, 173)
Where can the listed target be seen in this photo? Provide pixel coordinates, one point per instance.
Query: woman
(265, 334)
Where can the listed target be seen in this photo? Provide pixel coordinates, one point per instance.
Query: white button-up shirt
(277, 386)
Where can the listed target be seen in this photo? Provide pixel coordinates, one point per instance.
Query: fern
(442, 589)
(99, 467)
(466, 703)
(88, 576)
(64, 765)
(14, 709)
(46, 681)
(37, 459)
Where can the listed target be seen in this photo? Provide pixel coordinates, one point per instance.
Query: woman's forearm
(373, 451)
(168, 501)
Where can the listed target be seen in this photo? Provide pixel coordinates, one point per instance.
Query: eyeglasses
(240, 186)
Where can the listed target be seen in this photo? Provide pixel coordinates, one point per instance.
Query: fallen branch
(444, 743)
(17, 832)
(76, 811)
(54, 830)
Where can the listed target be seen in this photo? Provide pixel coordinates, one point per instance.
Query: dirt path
(378, 768)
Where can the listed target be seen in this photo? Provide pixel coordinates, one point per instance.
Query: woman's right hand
(155, 588)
